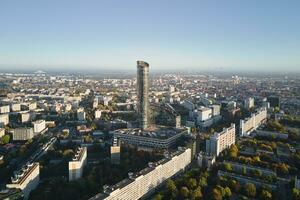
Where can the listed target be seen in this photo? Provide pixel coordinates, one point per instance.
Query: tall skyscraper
(142, 92)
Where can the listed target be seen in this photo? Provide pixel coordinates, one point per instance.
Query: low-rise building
(39, 126)
(22, 134)
(97, 114)
(157, 138)
(4, 119)
(81, 114)
(4, 109)
(77, 164)
(2, 132)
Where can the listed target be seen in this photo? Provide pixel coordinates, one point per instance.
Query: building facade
(27, 179)
(77, 164)
(142, 93)
(144, 182)
(221, 141)
(22, 134)
(39, 126)
(252, 123)
(4, 119)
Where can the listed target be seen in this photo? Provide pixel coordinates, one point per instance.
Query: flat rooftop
(158, 132)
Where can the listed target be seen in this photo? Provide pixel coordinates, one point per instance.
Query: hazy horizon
(171, 35)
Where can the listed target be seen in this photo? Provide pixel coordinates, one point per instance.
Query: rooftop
(160, 132)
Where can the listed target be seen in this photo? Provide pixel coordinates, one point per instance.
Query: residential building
(77, 164)
(253, 122)
(97, 114)
(81, 114)
(26, 179)
(4, 119)
(249, 103)
(39, 126)
(221, 141)
(115, 151)
(4, 109)
(2, 132)
(22, 134)
(143, 183)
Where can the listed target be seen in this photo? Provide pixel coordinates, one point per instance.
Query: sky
(223, 35)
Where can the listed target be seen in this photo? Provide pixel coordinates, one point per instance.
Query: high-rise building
(26, 179)
(77, 164)
(221, 141)
(142, 92)
(115, 151)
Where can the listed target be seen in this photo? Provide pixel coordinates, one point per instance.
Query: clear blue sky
(183, 34)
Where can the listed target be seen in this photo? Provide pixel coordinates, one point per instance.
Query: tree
(228, 166)
(171, 188)
(196, 194)
(158, 197)
(184, 192)
(192, 183)
(233, 151)
(250, 189)
(227, 192)
(296, 194)
(216, 194)
(202, 181)
(5, 139)
(266, 195)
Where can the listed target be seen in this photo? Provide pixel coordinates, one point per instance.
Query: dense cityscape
(151, 136)
(149, 100)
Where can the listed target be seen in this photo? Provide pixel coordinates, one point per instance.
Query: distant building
(115, 151)
(77, 164)
(39, 126)
(97, 114)
(4, 109)
(266, 104)
(221, 141)
(15, 107)
(274, 101)
(27, 117)
(216, 110)
(81, 115)
(253, 122)
(205, 160)
(205, 116)
(22, 134)
(144, 182)
(249, 103)
(27, 179)
(4, 119)
(32, 105)
(2, 132)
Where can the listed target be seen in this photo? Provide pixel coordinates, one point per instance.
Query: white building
(4, 119)
(249, 103)
(144, 182)
(252, 123)
(32, 105)
(115, 152)
(22, 134)
(2, 132)
(77, 164)
(15, 107)
(220, 141)
(27, 179)
(4, 109)
(81, 114)
(39, 126)
(204, 114)
(216, 110)
(156, 139)
(27, 117)
(97, 114)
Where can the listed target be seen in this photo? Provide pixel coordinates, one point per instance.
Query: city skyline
(173, 35)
